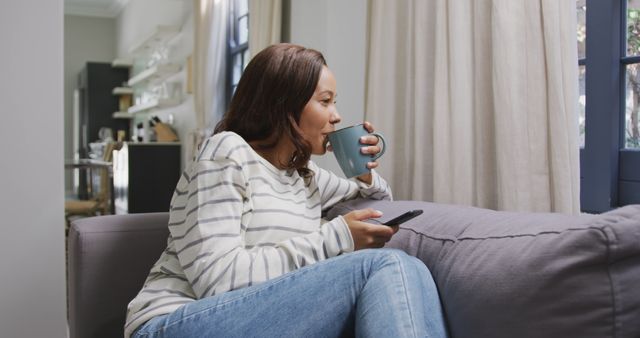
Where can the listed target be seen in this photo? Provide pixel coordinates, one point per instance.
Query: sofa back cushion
(509, 274)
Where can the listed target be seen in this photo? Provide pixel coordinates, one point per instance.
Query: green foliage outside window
(632, 130)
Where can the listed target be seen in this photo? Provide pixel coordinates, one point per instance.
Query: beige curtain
(265, 24)
(479, 100)
(209, 62)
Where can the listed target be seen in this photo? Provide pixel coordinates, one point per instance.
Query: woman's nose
(335, 117)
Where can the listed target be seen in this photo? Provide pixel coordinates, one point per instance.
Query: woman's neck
(279, 155)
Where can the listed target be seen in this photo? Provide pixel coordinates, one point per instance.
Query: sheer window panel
(237, 69)
(243, 30)
(238, 44)
(243, 7)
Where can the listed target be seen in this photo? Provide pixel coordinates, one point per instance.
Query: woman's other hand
(367, 235)
(371, 148)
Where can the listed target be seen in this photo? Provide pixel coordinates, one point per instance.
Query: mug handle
(384, 146)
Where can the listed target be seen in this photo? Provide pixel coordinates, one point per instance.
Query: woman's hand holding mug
(357, 149)
(372, 149)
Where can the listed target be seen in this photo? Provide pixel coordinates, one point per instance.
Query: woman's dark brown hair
(272, 92)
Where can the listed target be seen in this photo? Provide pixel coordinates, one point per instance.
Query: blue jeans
(368, 293)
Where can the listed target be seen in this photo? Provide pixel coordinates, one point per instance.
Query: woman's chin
(319, 151)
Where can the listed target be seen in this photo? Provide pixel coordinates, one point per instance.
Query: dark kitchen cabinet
(145, 176)
(97, 103)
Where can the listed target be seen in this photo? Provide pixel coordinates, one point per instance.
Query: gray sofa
(500, 274)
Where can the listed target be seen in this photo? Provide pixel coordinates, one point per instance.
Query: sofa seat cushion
(509, 274)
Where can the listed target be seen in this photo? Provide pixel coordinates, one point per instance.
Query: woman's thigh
(315, 301)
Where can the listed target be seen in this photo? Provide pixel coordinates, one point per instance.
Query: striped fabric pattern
(236, 220)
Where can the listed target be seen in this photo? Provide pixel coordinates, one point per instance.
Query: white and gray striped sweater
(236, 220)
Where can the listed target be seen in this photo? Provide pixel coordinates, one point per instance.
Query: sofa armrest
(109, 258)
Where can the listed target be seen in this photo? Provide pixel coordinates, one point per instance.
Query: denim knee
(399, 255)
(389, 256)
(376, 259)
(406, 261)
(384, 255)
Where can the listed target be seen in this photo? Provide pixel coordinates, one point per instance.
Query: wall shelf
(122, 63)
(159, 80)
(153, 104)
(122, 91)
(122, 115)
(162, 34)
(154, 73)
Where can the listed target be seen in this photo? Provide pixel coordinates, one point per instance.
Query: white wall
(86, 39)
(337, 28)
(33, 293)
(139, 18)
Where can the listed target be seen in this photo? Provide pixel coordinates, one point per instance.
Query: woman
(248, 253)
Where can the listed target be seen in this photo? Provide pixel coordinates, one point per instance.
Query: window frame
(609, 172)
(233, 48)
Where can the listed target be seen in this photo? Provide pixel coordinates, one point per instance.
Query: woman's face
(320, 114)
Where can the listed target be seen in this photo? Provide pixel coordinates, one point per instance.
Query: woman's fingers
(369, 140)
(364, 214)
(370, 150)
(372, 147)
(380, 231)
(368, 126)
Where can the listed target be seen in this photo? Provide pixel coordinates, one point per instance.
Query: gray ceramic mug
(346, 147)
